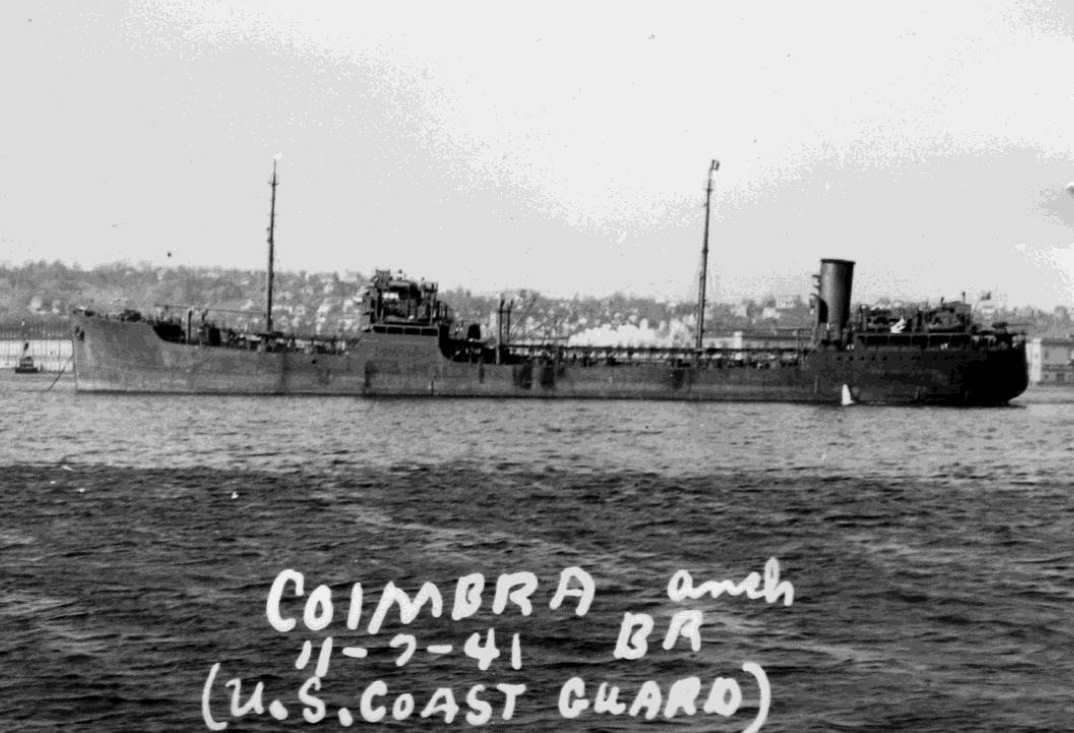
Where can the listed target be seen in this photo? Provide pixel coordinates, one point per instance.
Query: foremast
(703, 278)
(271, 250)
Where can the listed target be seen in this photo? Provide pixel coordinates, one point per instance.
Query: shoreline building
(1051, 361)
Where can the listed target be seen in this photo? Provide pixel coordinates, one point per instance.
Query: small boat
(26, 363)
(848, 398)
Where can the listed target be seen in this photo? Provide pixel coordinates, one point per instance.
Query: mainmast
(271, 250)
(704, 260)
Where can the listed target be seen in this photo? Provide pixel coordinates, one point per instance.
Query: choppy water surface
(931, 554)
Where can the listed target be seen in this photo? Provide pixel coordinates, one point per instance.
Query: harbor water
(915, 567)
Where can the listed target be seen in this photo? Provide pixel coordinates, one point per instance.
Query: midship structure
(411, 346)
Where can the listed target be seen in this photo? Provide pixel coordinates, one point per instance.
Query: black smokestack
(833, 298)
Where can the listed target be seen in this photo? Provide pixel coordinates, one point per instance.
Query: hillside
(41, 295)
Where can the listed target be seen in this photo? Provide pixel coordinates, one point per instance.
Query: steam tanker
(411, 346)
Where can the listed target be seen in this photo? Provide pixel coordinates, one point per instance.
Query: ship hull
(122, 356)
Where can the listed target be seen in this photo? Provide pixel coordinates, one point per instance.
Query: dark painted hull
(121, 356)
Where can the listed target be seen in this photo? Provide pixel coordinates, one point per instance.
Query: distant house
(986, 307)
(1050, 361)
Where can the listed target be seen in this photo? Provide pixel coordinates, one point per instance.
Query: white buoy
(848, 399)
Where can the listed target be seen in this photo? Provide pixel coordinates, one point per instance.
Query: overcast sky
(556, 146)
